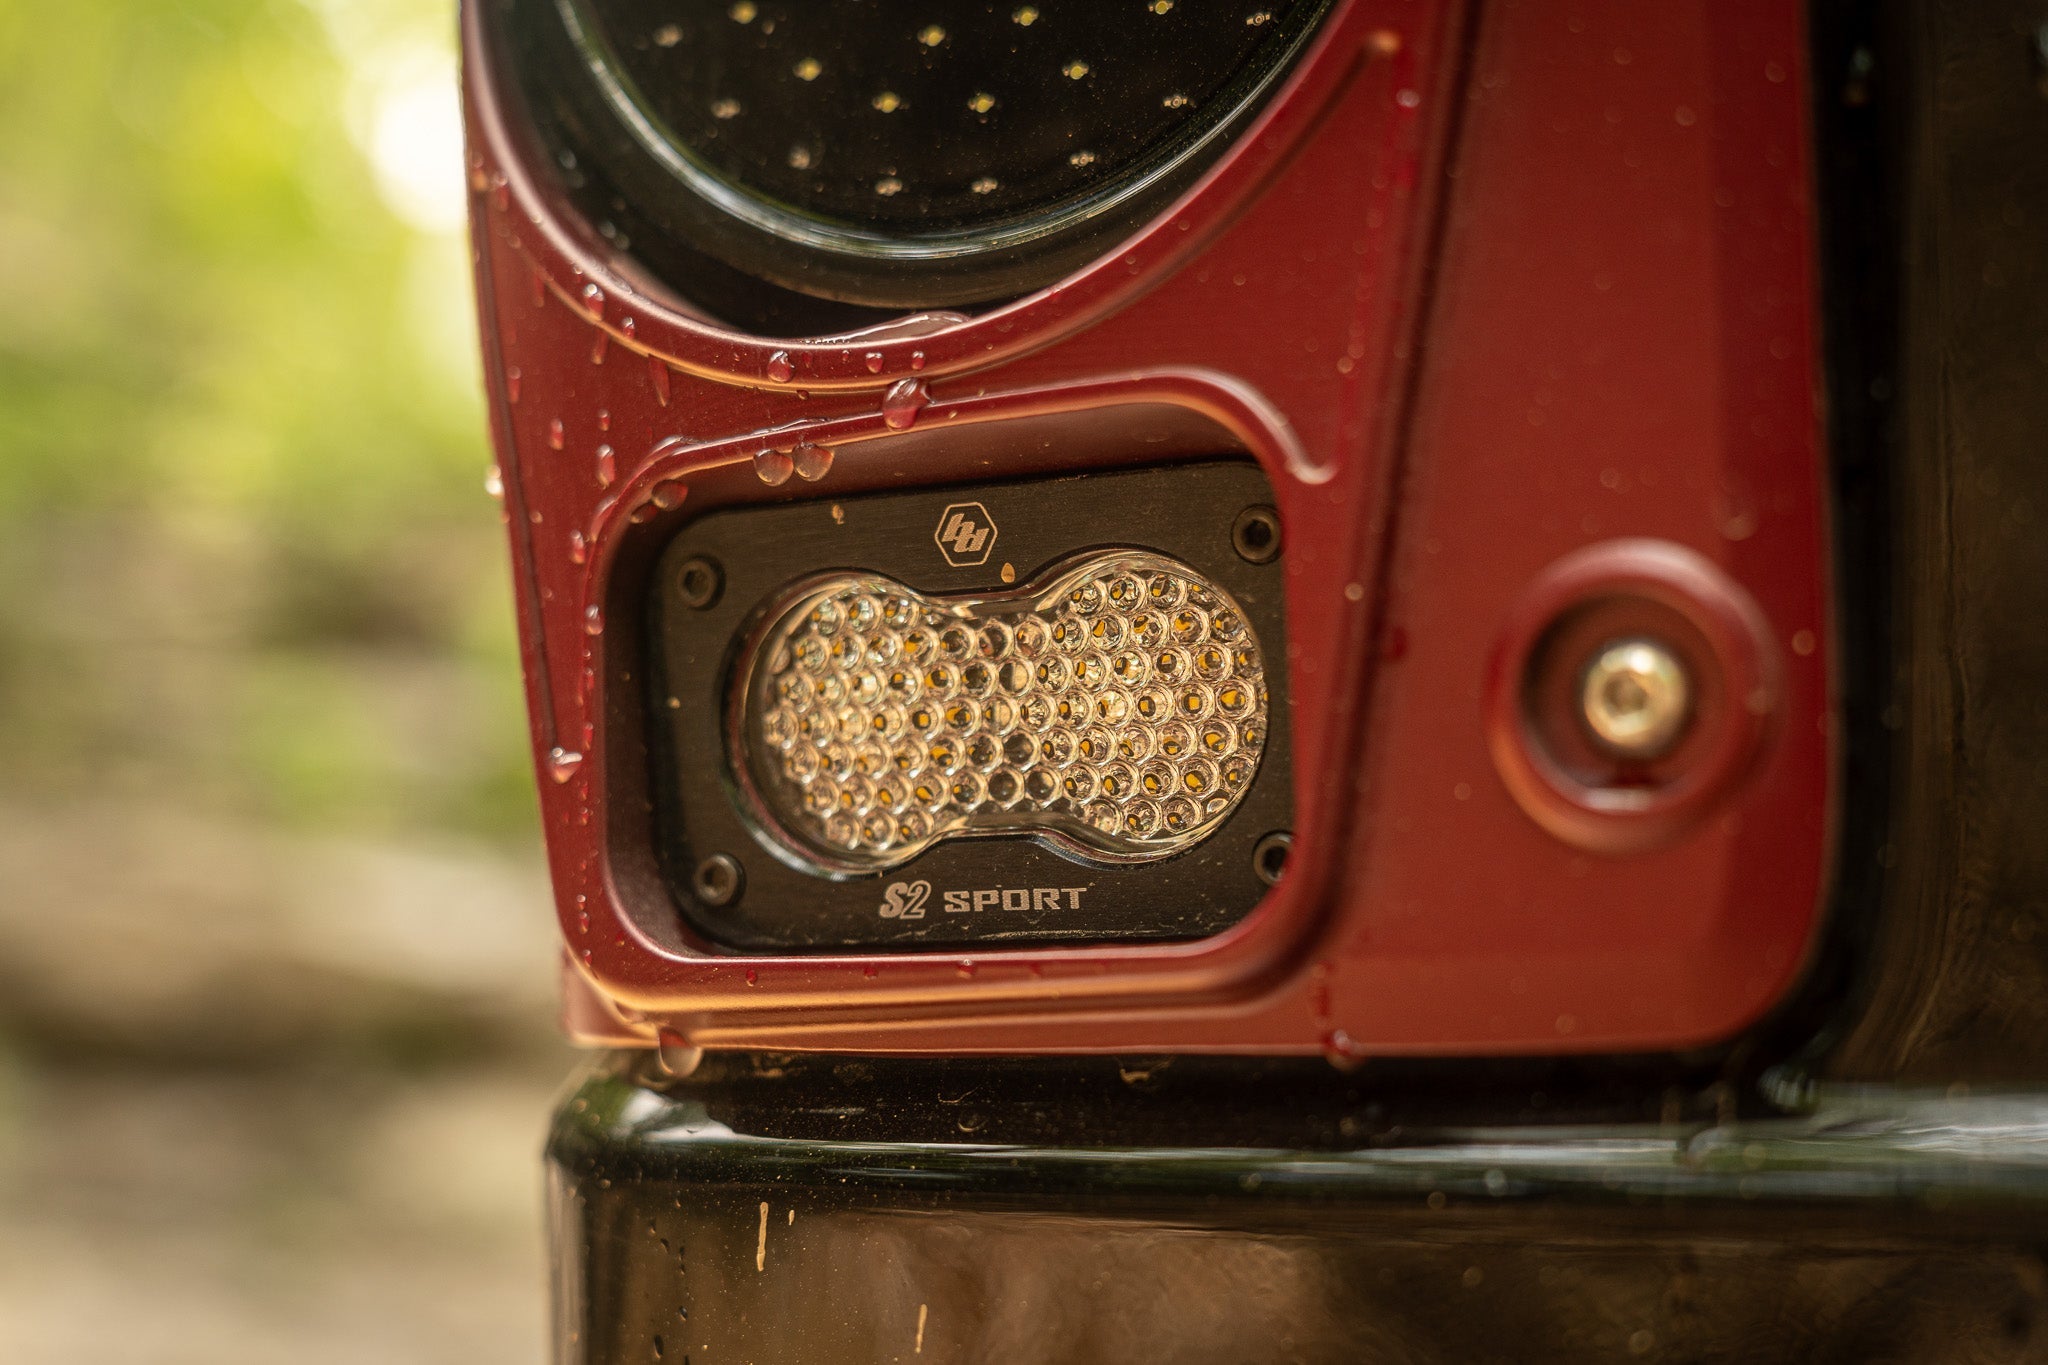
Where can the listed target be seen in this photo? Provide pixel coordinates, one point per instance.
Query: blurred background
(263, 782)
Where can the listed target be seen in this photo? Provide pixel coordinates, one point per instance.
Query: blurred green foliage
(245, 556)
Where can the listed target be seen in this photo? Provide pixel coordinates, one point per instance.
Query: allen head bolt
(1635, 698)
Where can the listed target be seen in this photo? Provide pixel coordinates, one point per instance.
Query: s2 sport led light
(848, 702)
(1116, 710)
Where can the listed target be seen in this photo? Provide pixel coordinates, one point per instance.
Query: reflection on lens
(1035, 720)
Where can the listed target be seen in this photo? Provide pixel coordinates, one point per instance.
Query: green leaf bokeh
(246, 560)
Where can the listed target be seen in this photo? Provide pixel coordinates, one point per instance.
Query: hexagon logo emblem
(966, 534)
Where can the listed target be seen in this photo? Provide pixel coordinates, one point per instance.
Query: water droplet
(512, 385)
(598, 346)
(1735, 510)
(753, 977)
(629, 327)
(555, 435)
(593, 300)
(604, 419)
(501, 195)
(917, 360)
(669, 494)
(813, 462)
(678, 1057)
(539, 285)
(773, 467)
(873, 360)
(1341, 1052)
(607, 467)
(579, 549)
(931, 35)
(657, 370)
(494, 482)
(779, 368)
(563, 763)
(904, 400)
(593, 619)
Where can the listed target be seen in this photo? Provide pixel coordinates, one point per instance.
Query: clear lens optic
(1118, 709)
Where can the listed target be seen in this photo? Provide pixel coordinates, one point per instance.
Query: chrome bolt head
(1636, 698)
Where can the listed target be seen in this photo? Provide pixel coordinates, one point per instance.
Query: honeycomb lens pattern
(1118, 709)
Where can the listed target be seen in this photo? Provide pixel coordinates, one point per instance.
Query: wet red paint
(1601, 327)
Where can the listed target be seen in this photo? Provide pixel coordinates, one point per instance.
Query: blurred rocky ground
(147, 935)
(276, 1014)
(268, 1096)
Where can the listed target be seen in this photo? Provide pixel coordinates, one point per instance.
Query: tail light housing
(1511, 370)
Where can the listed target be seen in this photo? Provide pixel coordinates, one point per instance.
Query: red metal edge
(1271, 936)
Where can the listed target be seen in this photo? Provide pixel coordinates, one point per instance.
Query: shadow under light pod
(1115, 709)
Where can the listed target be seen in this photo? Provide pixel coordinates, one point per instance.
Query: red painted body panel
(1480, 291)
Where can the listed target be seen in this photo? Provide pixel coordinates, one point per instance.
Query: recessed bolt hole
(1269, 856)
(1255, 535)
(718, 880)
(699, 583)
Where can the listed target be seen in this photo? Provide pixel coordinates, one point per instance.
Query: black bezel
(1185, 512)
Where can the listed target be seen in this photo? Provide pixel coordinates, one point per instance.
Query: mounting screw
(1255, 535)
(1635, 698)
(699, 582)
(1269, 856)
(719, 880)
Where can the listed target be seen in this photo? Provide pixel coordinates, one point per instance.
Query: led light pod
(1093, 708)
(1116, 708)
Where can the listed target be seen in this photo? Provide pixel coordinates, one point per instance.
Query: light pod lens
(1116, 709)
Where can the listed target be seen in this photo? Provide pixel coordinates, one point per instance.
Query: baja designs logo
(966, 535)
(905, 900)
